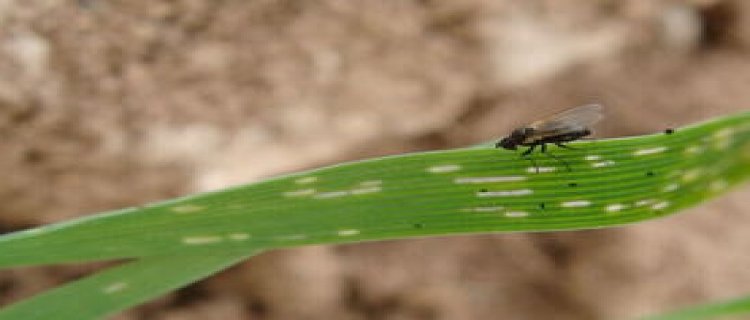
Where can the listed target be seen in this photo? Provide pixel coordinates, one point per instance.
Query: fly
(564, 127)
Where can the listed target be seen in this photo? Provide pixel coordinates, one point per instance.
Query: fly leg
(564, 146)
(528, 151)
(526, 154)
(544, 151)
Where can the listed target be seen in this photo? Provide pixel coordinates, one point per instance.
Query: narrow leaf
(709, 311)
(610, 182)
(121, 287)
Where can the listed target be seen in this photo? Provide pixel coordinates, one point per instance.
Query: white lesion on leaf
(187, 208)
(692, 174)
(115, 287)
(694, 149)
(484, 209)
(647, 151)
(331, 194)
(660, 205)
(299, 192)
(505, 193)
(601, 164)
(671, 187)
(475, 180)
(347, 232)
(238, 236)
(615, 207)
(516, 214)
(202, 239)
(541, 169)
(371, 183)
(366, 190)
(722, 139)
(644, 202)
(575, 204)
(306, 180)
(593, 157)
(291, 237)
(445, 168)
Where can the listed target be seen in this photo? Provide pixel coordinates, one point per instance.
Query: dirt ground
(106, 104)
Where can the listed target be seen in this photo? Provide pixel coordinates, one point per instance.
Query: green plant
(479, 189)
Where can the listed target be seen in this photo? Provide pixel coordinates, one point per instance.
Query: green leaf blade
(611, 182)
(716, 310)
(120, 287)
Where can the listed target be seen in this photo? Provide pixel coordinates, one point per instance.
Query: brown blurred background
(107, 104)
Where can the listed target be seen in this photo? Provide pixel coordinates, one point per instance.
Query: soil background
(108, 104)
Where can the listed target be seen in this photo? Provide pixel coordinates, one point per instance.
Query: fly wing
(578, 118)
